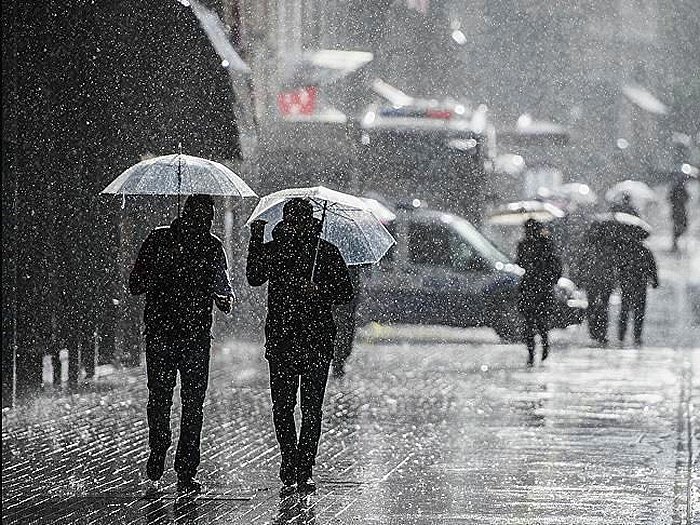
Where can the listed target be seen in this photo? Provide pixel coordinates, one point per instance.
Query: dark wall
(88, 88)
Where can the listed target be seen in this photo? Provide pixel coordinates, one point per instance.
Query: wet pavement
(430, 426)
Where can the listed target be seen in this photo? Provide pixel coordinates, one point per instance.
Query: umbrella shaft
(179, 182)
(318, 241)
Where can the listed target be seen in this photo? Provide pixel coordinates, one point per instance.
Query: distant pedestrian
(598, 276)
(345, 316)
(624, 205)
(182, 270)
(542, 267)
(678, 197)
(637, 270)
(299, 329)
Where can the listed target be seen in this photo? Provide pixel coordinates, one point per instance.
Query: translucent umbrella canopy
(578, 193)
(349, 222)
(519, 212)
(381, 212)
(620, 225)
(179, 174)
(639, 192)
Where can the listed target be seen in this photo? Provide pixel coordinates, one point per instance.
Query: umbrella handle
(179, 176)
(318, 241)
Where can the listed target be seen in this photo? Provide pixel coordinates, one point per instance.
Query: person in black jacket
(637, 269)
(598, 276)
(345, 316)
(299, 329)
(182, 270)
(542, 271)
(678, 197)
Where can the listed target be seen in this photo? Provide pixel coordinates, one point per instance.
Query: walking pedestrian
(637, 269)
(535, 254)
(624, 205)
(345, 316)
(598, 276)
(182, 269)
(299, 329)
(678, 197)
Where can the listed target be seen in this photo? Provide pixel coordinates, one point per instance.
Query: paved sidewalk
(417, 433)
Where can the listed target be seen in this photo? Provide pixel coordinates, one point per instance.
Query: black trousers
(536, 310)
(634, 300)
(598, 300)
(165, 357)
(298, 455)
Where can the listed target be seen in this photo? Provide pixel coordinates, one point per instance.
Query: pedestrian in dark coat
(345, 316)
(678, 197)
(598, 276)
(637, 270)
(624, 205)
(299, 329)
(542, 267)
(182, 270)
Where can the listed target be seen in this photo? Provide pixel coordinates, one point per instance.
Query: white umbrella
(578, 193)
(639, 192)
(379, 210)
(348, 222)
(519, 212)
(624, 224)
(179, 174)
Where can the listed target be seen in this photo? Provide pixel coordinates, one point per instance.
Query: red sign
(300, 101)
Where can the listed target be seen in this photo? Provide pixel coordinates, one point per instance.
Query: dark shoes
(288, 489)
(188, 485)
(305, 483)
(288, 472)
(545, 353)
(155, 466)
(307, 486)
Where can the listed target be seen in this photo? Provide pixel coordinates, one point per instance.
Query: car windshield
(472, 236)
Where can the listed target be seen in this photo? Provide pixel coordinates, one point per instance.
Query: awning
(642, 98)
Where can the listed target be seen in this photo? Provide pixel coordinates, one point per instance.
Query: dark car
(443, 271)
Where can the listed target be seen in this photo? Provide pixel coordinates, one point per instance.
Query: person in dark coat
(637, 269)
(678, 197)
(535, 254)
(182, 270)
(624, 205)
(345, 316)
(299, 329)
(598, 276)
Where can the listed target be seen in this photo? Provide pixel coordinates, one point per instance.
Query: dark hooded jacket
(180, 268)
(542, 271)
(599, 259)
(297, 322)
(637, 268)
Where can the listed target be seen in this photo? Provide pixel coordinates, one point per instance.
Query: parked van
(443, 271)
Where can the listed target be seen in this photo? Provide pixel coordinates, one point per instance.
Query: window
(429, 244)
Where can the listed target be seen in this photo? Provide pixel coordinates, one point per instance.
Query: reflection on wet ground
(414, 434)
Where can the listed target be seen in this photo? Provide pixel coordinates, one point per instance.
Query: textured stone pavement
(458, 432)
(431, 426)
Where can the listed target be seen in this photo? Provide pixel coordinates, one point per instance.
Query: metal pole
(179, 175)
(318, 241)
